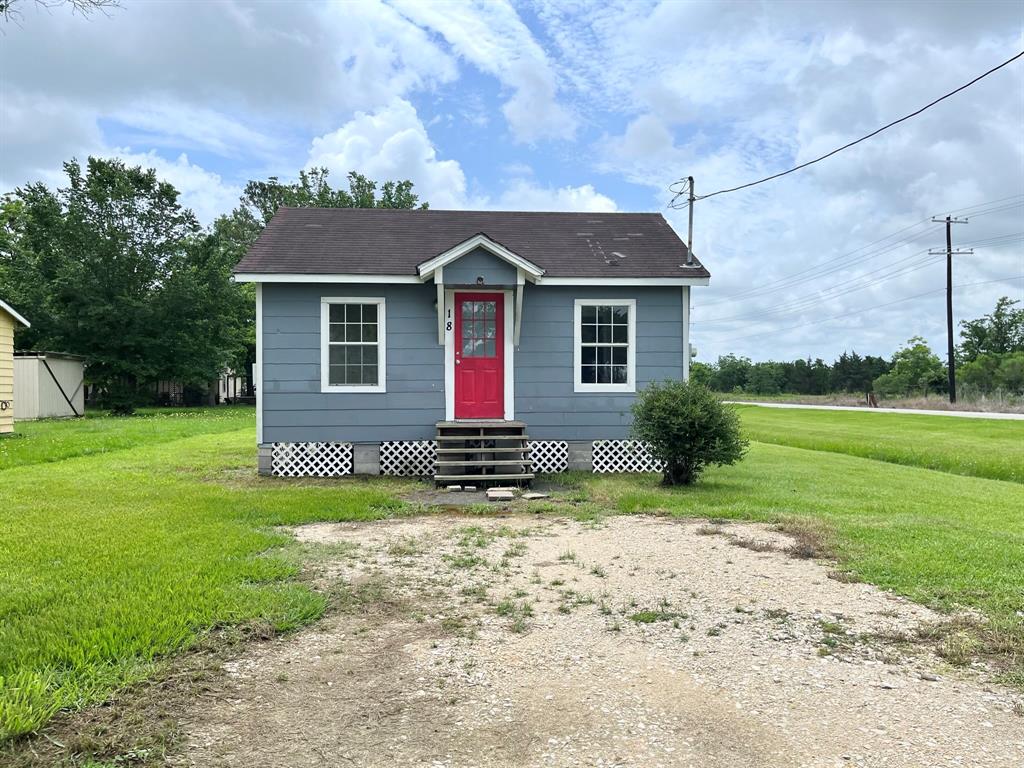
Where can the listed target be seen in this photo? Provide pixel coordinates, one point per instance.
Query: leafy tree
(766, 378)
(731, 373)
(915, 368)
(688, 428)
(112, 267)
(995, 334)
(232, 234)
(701, 373)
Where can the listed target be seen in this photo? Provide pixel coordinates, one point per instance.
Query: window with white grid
(604, 354)
(352, 344)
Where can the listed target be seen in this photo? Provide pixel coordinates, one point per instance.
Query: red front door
(479, 355)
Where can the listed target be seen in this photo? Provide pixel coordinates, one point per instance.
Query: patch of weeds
(652, 617)
(464, 560)
(474, 536)
(811, 540)
(572, 599)
(404, 547)
(598, 571)
(557, 582)
(520, 593)
(742, 609)
(755, 545)
(518, 612)
(778, 614)
(714, 631)
(604, 609)
(515, 549)
(844, 577)
(567, 557)
(459, 626)
(476, 592)
(708, 530)
(613, 626)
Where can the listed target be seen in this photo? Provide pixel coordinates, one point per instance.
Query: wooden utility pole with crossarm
(950, 253)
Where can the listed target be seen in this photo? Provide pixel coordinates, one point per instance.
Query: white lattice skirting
(549, 455)
(311, 459)
(408, 458)
(624, 456)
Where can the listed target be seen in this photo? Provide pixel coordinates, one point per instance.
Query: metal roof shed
(50, 385)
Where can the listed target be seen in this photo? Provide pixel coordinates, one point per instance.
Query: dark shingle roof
(313, 241)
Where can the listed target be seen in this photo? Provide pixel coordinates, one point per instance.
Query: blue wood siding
(294, 409)
(544, 377)
(480, 263)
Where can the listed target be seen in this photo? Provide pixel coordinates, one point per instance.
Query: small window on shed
(352, 345)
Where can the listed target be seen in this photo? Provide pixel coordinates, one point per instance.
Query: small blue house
(467, 345)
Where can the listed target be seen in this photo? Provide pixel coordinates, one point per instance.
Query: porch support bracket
(439, 282)
(520, 283)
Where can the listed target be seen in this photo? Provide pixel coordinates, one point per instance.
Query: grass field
(978, 447)
(58, 439)
(110, 562)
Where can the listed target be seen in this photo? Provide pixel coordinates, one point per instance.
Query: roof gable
(429, 267)
(10, 311)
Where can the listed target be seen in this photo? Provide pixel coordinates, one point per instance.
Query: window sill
(599, 388)
(353, 390)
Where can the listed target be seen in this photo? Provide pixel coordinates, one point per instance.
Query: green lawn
(110, 561)
(978, 447)
(35, 442)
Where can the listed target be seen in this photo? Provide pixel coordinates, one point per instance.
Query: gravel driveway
(635, 641)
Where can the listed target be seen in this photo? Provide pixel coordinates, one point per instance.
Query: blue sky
(583, 106)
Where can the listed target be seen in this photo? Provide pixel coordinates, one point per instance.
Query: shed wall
(6, 372)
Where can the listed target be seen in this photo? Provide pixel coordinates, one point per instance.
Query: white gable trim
(427, 268)
(10, 311)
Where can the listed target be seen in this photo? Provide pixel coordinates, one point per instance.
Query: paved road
(962, 414)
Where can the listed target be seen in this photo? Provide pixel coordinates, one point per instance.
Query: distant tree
(731, 373)
(996, 334)
(915, 370)
(701, 373)
(766, 378)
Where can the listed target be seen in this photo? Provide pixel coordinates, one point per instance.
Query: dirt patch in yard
(635, 641)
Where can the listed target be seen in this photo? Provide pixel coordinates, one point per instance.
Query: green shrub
(687, 427)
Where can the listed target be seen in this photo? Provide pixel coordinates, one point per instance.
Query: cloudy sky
(576, 105)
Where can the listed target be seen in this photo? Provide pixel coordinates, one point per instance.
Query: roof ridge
(467, 210)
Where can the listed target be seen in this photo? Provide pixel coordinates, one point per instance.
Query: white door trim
(449, 351)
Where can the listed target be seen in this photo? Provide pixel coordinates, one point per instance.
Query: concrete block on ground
(494, 494)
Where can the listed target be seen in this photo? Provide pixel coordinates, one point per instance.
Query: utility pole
(689, 236)
(950, 253)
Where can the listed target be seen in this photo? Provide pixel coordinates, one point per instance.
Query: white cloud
(492, 37)
(523, 195)
(392, 143)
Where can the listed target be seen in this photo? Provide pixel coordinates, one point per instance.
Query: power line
(678, 193)
(842, 289)
(789, 281)
(802, 305)
(1009, 278)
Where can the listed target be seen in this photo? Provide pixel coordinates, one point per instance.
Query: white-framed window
(352, 348)
(604, 345)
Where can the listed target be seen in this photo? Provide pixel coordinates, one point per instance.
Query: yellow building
(9, 319)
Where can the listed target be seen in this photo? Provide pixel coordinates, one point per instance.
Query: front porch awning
(434, 268)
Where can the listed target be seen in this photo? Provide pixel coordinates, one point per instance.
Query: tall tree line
(111, 266)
